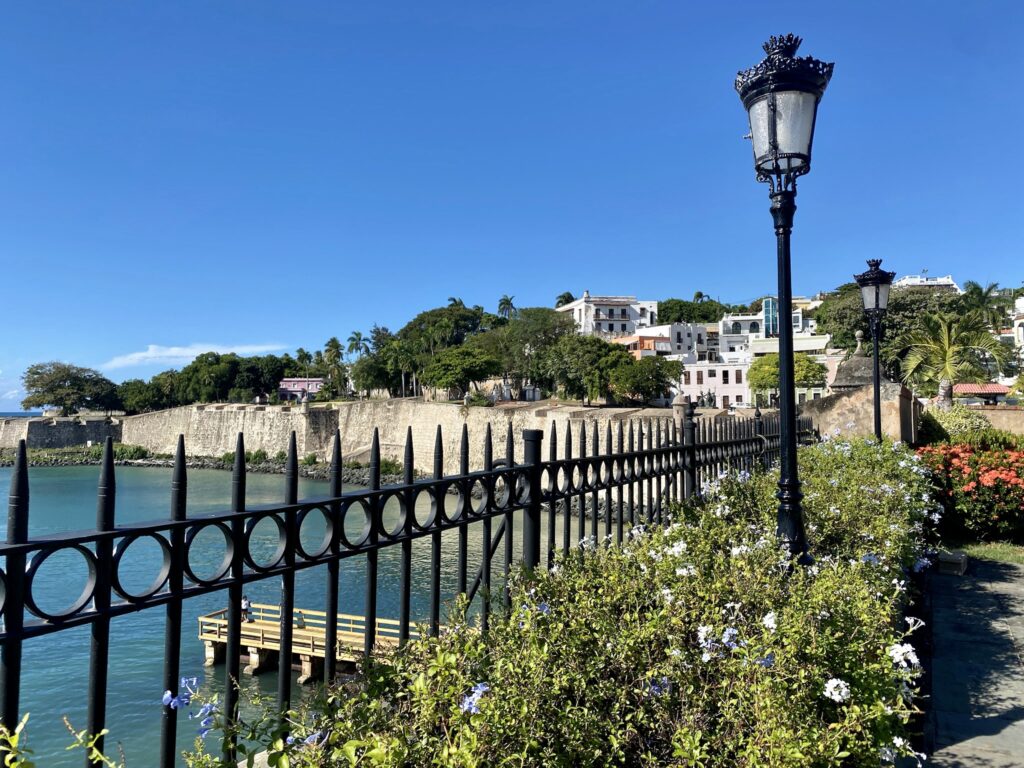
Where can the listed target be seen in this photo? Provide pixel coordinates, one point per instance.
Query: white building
(610, 316)
(944, 283)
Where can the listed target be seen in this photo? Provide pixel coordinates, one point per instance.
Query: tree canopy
(763, 375)
(681, 311)
(645, 379)
(68, 387)
(458, 367)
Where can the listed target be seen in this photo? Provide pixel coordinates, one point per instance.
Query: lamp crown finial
(782, 45)
(874, 264)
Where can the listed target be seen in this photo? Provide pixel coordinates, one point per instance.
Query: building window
(725, 377)
(700, 338)
(712, 373)
(802, 398)
(700, 377)
(679, 337)
(725, 401)
(739, 376)
(737, 328)
(686, 378)
(623, 312)
(755, 327)
(643, 311)
(623, 326)
(739, 399)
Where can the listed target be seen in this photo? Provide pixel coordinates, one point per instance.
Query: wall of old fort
(57, 432)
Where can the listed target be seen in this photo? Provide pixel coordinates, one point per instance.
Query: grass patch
(997, 551)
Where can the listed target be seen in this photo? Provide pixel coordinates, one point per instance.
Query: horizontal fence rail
(596, 488)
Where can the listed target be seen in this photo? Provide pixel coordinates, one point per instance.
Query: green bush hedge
(122, 452)
(950, 424)
(695, 645)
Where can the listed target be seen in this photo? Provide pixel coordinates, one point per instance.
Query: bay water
(55, 668)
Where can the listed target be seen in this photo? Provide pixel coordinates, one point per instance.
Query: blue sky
(262, 176)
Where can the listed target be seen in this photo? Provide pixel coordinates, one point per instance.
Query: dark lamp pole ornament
(781, 96)
(874, 290)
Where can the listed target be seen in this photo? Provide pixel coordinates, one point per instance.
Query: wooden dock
(262, 637)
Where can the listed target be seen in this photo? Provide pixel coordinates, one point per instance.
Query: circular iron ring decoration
(225, 565)
(325, 541)
(159, 580)
(282, 543)
(398, 530)
(83, 599)
(364, 506)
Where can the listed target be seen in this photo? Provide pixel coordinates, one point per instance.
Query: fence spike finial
(375, 460)
(291, 471)
(107, 489)
(464, 450)
(335, 470)
(179, 481)
(407, 458)
(438, 453)
(553, 444)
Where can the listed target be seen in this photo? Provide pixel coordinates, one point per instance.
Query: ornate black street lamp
(781, 96)
(874, 290)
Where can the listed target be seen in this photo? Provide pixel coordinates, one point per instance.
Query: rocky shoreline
(320, 471)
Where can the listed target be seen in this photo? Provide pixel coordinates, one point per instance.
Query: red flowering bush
(982, 491)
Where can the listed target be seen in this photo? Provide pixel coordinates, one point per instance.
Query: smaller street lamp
(874, 291)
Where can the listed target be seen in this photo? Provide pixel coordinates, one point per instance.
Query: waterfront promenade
(976, 715)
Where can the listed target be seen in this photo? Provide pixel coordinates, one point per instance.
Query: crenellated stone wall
(212, 430)
(58, 432)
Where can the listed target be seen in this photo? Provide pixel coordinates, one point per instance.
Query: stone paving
(976, 713)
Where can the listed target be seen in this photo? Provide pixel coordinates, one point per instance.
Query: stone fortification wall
(13, 430)
(57, 432)
(1006, 417)
(395, 417)
(853, 412)
(212, 430)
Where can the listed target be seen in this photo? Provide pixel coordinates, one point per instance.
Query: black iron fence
(602, 486)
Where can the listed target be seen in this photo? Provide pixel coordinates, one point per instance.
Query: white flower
(688, 570)
(913, 624)
(666, 595)
(899, 742)
(675, 652)
(837, 690)
(769, 620)
(706, 656)
(677, 549)
(903, 655)
(740, 550)
(887, 755)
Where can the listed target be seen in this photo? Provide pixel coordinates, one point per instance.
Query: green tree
(947, 349)
(645, 379)
(763, 375)
(207, 379)
(358, 344)
(68, 387)
(682, 311)
(564, 298)
(458, 367)
(987, 302)
(506, 308)
(370, 372)
(521, 344)
(138, 396)
(581, 366)
(303, 358)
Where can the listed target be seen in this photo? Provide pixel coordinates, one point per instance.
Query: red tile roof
(980, 389)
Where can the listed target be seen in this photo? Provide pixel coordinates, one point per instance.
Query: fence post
(14, 616)
(532, 439)
(689, 452)
(759, 432)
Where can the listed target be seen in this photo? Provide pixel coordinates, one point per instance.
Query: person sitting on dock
(300, 620)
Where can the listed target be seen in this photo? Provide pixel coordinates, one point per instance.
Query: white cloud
(12, 395)
(156, 354)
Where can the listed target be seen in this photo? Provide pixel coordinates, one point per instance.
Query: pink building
(299, 388)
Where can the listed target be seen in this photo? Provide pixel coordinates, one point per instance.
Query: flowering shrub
(699, 644)
(951, 423)
(982, 490)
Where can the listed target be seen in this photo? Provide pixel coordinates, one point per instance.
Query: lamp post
(874, 290)
(781, 96)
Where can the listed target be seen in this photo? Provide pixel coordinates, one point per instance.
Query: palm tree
(987, 302)
(454, 301)
(332, 357)
(948, 348)
(699, 297)
(303, 358)
(563, 299)
(358, 344)
(505, 306)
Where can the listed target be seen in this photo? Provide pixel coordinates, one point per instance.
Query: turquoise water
(55, 668)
